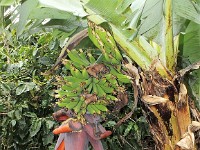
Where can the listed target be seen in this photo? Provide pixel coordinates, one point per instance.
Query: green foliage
(26, 103)
(25, 96)
(191, 53)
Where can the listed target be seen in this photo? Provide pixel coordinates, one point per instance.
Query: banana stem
(168, 48)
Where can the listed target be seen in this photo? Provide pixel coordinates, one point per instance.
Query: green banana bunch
(88, 77)
(105, 42)
(91, 58)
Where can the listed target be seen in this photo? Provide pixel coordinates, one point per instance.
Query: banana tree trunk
(166, 109)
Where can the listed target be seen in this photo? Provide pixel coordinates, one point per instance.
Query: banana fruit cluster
(91, 86)
(105, 42)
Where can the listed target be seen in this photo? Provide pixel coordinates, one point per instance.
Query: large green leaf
(191, 47)
(187, 9)
(74, 6)
(24, 12)
(151, 19)
(44, 13)
(195, 86)
(153, 12)
(191, 50)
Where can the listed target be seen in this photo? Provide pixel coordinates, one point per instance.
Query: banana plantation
(100, 74)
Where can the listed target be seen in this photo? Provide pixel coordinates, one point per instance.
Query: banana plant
(163, 92)
(147, 35)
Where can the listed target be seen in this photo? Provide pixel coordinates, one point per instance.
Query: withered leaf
(89, 98)
(95, 69)
(153, 100)
(123, 101)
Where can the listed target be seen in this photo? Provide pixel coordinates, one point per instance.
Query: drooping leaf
(106, 9)
(191, 51)
(52, 13)
(195, 86)
(24, 12)
(187, 9)
(136, 8)
(151, 18)
(63, 25)
(74, 6)
(192, 42)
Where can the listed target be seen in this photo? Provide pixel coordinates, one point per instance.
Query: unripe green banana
(78, 90)
(88, 82)
(66, 100)
(102, 81)
(81, 113)
(101, 92)
(91, 58)
(117, 55)
(107, 88)
(101, 107)
(77, 65)
(72, 79)
(61, 93)
(89, 88)
(90, 109)
(61, 104)
(83, 57)
(67, 64)
(94, 88)
(78, 106)
(97, 111)
(71, 94)
(113, 71)
(123, 78)
(95, 80)
(72, 71)
(108, 76)
(113, 60)
(74, 56)
(72, 104)
(113, 82)
(110, 97)
(85, 74)
(106, 57)
(78, 74)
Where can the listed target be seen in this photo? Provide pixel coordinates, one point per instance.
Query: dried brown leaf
(95, 69)
(188, 141)
(153, 100)
(89, 98)
(134, 72)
